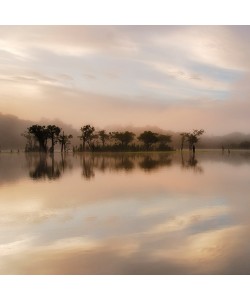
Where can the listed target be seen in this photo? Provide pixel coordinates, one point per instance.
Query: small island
(41, 138)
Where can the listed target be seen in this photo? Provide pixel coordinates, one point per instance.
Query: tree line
(43, 138)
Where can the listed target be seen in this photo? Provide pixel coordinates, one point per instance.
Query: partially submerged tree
(64, 141)
(30, 141)
(184, 136)
(148, 138)
(194, 137)
(53, 133)
(41, 135)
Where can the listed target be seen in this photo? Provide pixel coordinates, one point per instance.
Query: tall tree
(53, 132)
(64, 141)
(194, 137)
(183, 135)
(148, 138)
(124, 138)
(41, 134)
(87, 135)
(103, 136)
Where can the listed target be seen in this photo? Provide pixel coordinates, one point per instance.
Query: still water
(161, 213)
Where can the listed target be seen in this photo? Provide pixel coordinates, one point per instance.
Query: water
(125, 213)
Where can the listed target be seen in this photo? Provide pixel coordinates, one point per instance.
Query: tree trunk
(52, 144)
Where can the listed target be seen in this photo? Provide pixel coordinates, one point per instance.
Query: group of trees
(44, 138)
(121, 140)
(37, 137)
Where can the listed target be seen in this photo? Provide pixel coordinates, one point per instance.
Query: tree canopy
(123, 137)
(148, 138)
(193, 137)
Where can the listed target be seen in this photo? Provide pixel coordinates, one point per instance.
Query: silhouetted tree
(183, 135)
(164, 139)
(124, 138)
(193, 137)
(53, 132)
(103, 136)
(64, 141)
(41, 134)
(30, 141)
(148, 138)
(87, 135)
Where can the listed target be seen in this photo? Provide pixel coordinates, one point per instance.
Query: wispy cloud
(174, 76)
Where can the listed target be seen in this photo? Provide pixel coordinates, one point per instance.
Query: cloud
(175, 77)
(184, 221)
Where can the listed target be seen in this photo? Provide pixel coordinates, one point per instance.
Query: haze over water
(159, 213)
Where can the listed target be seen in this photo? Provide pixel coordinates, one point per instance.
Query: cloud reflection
(126, 221)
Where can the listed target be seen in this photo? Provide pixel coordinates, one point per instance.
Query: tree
(123, 137)
(193, 137)
(30, 141)
(183, 135)
(53, 132)
(87, 135)
(64, 141)
(41, 135)
(164, 139)
(103, 136)
(148, 138)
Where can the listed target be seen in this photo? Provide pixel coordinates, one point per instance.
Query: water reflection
(124, 163)
(106, 162)
(42, 166)
(121, 162)
(87, 164)
(125, 213)
(50, 167)
(149, 164)
(191, 163)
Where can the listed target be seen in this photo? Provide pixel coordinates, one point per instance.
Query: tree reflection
(149, 163)
(87, 164)
(120, 162)
(124, 163)
(191, 163)
(46, 166)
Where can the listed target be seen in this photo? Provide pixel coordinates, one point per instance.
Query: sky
(175, 77)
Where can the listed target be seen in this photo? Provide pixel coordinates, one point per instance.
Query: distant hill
(209, 141)
(206, 141)
(11, 128)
